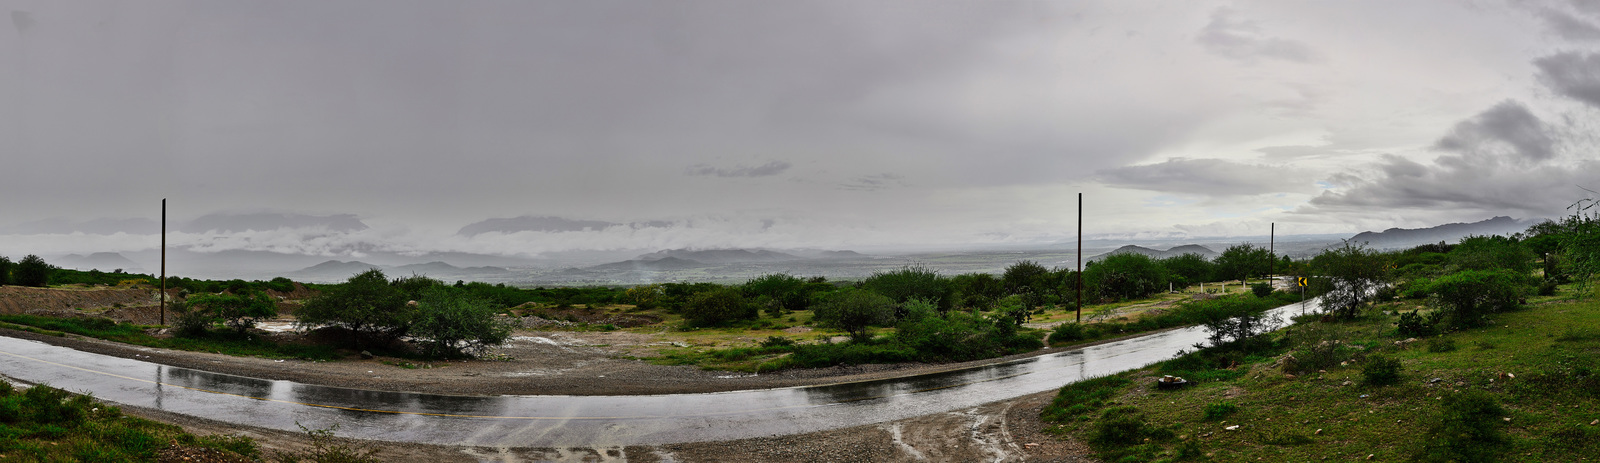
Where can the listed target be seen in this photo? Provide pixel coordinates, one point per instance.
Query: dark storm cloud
(1232, 36)
(1572, 74)
(764, 170)
(1506, 131)
(1503, 159)
(1211, 177)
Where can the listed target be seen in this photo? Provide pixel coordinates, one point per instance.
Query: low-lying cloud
(764, 170)
(1212, 177)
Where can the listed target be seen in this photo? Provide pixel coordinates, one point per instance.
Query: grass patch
(48, 424)
(1528, 396)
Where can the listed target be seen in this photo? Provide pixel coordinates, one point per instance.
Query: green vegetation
(1125, 276)
(32, 271)
(225, 342)
(1490, 381)
(48, 424)
(5, 270)
(239, 311)
(1243, 261)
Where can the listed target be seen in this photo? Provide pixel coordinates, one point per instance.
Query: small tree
(855, 312)
(238, 311)
(453, 323)
(366, 304)
(1125, 276)
(1352, 272)
(32, 271)
(784, 291)
(5, 270)
(1189, 268)
(1026, 276)
(718, 306)
(1242, 261)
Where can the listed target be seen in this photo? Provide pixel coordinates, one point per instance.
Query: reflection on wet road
(563, 421)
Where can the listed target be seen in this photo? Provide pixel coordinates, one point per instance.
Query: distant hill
(103, 261)
(1159, 254)
(653, 265)
(1399, 238)
(333, 269)
(720, 256)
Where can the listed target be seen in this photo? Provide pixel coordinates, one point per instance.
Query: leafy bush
(1125, 426)
(784, 291)
(32, 271)
(1068, 332)
(451, 322)
(1261, 289)
(1125, 276)
(1242, 261)
(1412, 324)
(1380, 370)
(1076, 401)
(718, 306)
(5, 270)
(911, 281)
(855, 311)
(239, 311)
(1189, 268)
(365, 304)
(1467, 428)
(1467, 297)
(1219, 410)
(777, 341)
(1027, 276)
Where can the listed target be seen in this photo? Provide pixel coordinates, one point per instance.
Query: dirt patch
(534, 315)
(55, 301)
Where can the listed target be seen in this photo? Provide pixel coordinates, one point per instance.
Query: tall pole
(163, 261)
(1080, 258)
(1272, 248)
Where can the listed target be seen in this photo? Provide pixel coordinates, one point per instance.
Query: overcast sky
(787, 124)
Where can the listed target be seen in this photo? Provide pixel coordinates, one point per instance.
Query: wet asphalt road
(571, 421)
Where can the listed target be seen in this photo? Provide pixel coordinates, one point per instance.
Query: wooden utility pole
(1080, 258)
(163, 261)
(1272, 248)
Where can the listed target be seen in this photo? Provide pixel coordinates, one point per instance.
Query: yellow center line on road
(492, 417)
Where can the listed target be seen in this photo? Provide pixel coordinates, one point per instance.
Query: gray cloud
(1231, 36)
(873, 182)
(1573, 74)
(764, 170)
(1506, 131)
(1503, 161)
(1567, 26)
(1211, 177)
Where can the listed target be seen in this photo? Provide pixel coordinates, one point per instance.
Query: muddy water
(570, 421)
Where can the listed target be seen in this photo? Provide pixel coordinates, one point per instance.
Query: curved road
(571, 421)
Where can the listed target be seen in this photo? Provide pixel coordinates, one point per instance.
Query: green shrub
(855, 312)
(1261, 289)
(31, 271)
(1380, 370)
(912, 281)
(718, 306)
(1467, 297)
(777, 341)
(1219, 410)
(451, 322)
(1068, 333)
(1125, 276)
(1413, 324)
(1125, 426)
(366, 304)
(1466, 429)
(1441, 345)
